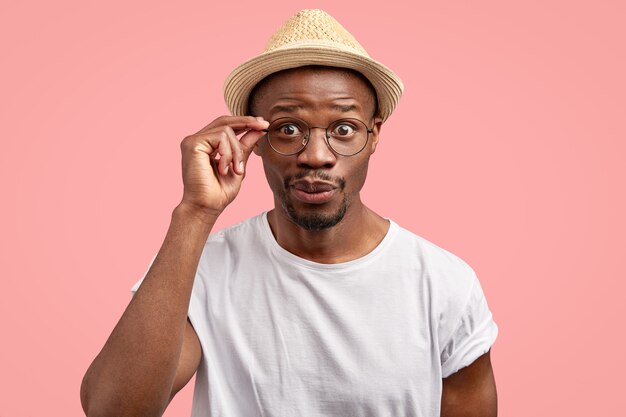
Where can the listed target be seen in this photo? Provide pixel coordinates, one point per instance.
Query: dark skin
(154, 348)
(319, 98)
(471, 391)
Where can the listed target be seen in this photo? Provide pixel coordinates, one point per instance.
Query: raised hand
(214, 161)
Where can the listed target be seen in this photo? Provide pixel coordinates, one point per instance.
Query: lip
(313, 192)
(313, 186)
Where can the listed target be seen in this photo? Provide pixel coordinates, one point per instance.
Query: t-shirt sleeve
(474, 333)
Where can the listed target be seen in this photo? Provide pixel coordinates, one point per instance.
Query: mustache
(317, 174)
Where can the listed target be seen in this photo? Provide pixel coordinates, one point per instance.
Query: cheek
(261, 147)
(273, 172)
(359, 174)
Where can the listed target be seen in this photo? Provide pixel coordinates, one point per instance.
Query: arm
(471, 391)
(189, 360)
(134, 374)
(153, 351)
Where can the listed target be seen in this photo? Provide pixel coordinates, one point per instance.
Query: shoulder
(459, 307)
(245, 240)
(441, 265)
(249, 235)
(449, 278)
(245, 228)
(225, 249)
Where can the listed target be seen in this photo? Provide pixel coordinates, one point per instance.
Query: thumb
(249, 141)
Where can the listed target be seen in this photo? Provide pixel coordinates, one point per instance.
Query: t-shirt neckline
(355, 263)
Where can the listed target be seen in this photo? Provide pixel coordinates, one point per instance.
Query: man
(319, 307)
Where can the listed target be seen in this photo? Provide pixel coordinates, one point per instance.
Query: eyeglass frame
(326, 135)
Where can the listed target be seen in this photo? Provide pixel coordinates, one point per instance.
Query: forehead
(311, 86)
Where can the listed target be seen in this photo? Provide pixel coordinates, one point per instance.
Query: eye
(289, 129)
(344, 129)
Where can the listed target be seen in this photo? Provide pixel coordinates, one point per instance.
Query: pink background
(506, 149)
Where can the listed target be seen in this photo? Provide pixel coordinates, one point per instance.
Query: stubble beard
(314, 220)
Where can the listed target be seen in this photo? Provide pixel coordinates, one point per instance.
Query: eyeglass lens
(289, 136)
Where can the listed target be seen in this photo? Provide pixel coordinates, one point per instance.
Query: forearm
(134, 372)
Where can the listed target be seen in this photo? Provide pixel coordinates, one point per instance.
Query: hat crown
(313, 26)
(311, 37)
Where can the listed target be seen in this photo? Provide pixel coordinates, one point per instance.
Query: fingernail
(226, 170)
(241, 166)
(259, 118)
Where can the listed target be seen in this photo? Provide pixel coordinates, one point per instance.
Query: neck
(357, 234)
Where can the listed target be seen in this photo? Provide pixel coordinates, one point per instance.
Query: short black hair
(257, 91)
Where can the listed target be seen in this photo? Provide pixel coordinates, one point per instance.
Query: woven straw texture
(312, 37)
(313, 25)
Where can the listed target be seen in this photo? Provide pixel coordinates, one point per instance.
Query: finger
(236, 150)
(241, 123)
(249, 141)
(218, 146)
(214, 135)
(225, 152)
(263, 125)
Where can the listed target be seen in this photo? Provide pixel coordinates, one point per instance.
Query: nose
(317, 153)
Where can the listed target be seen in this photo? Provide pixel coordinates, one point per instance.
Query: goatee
(314, 221)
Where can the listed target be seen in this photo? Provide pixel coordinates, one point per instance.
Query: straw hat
(311, 37)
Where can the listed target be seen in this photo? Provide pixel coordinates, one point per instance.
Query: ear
(378, 123)
(256, 149)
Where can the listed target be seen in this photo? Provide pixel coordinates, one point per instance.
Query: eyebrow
(344, 108)
(293, 108)
(285, 109)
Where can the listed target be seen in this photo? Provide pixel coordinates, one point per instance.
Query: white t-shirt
(284, 336)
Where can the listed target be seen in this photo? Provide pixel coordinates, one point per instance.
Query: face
(316, 188)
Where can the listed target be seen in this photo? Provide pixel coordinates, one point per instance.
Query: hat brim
(241, 81)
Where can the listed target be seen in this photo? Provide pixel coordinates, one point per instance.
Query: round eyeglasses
(289, 136)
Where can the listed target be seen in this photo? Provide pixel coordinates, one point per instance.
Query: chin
(315, 219)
